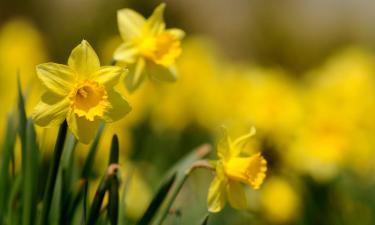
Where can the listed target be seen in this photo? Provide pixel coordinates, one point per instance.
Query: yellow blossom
(149, 48)
(81, 92)
(232, 169)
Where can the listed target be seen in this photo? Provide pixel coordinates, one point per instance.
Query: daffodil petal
(83, 129)
(216, 195)
(258, 166)
(155, 22)
(84, 60)
(136, 75)
(108, 76)
(119, 107)
(126, 52)
(236, 195)
(57, 78)
(224, 145)
(178, 33)
(48, 115)
(161, 73)
(237, 145)
(130, 23)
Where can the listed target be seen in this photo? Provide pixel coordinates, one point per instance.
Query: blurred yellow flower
(279, 200)
(231, 169)
(149, 48)
(81, 92)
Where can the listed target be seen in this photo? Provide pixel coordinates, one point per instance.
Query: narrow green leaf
(205, 220)
(113, 204)
(89, 162)
(5, 180)
(157, 201)
(182, 169)
(104, 183)
(59, 146)
(30, 176)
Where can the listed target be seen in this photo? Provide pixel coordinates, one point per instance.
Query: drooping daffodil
(148, 48)
(81, 92)
(232, 169)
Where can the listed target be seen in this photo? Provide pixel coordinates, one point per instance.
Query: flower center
(162, 49)
(89, 99)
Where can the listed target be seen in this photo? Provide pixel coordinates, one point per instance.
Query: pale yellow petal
(178, 33)
(119, 107)
(155, 22)
(126, 52)
(57, 78)
(216, 195)
(239, 143)
(224, 145)
(51, 113)
(84, 60)
(130, 24)
(108, 76)
(136, 75)
(236, 195)
(161, 73)
(83, 129)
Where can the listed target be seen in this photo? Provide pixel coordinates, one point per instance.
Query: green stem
(47, 198)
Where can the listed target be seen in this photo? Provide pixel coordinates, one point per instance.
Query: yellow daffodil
(81, 92)
(232, 169)
(148, 48)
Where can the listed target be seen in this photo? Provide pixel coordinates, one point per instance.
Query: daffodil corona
(149, 48)
(232, 169)
(81, 92)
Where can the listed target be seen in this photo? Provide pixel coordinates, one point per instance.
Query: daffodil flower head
(232, 169)
(148, 48)
(82, 92)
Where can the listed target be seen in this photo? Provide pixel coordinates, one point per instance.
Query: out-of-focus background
(301, 72)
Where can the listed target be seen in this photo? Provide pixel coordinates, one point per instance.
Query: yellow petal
(126, 52)
(155, 22)
(136, 75)
(50, 113)
(216, 195)
(178, 33)
(161, 73)
(236, 195)
(57, 78)
(108, 76)
(223, 144)
(84, 60)
(239, 143)
(83, 129)
(130, 24)
(119, 107)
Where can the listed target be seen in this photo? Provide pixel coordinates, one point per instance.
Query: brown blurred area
(293, 34)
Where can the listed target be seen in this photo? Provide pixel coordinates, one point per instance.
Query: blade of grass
(53, 173)
(104, 183)
(30, 176)
(157, 201)
(5, 181)
(184, 168)
(113, 204)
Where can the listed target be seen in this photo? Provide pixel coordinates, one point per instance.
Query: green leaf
(30, 176)
(5, 180)
(205, 219)
(157, 200)
(182, 168)
(48, 193)
(113, 204)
